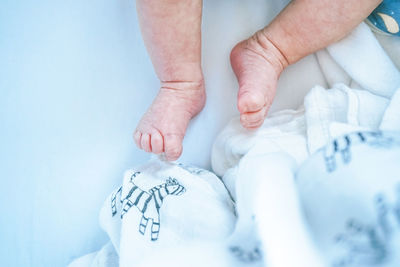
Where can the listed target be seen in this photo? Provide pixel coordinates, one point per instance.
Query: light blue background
(74, 81)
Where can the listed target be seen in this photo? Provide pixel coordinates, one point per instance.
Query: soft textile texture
(326, 114)
(363, 100)
(350, 191)
(391, 118)
(278, 211)
(267, 204)
(162, 205)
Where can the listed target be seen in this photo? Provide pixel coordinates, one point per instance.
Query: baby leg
(302, 28)
(172, 35)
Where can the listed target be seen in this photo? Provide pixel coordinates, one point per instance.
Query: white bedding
(75, 79)
(267, 171)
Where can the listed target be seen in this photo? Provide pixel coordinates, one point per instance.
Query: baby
(171, 30)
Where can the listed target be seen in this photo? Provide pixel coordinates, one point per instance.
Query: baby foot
(257, 64)
(163, 126)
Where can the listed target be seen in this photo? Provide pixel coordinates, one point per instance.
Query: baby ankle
(197, 85)
(183, 72)
(270, 51)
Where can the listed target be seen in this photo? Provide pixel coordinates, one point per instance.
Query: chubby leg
(171, 31)
(302, 28)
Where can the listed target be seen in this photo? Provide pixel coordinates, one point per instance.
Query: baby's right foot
(257, 64)
(163, 126)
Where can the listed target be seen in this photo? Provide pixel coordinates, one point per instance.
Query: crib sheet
(75, 79)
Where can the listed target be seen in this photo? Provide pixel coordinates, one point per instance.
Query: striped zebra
(149, 203)
(342, 146)
(369, 243)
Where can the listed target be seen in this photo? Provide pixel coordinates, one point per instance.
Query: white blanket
(260, 167)
(194, 226)
(162, 205)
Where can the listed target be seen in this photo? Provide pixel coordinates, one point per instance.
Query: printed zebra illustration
(149, 203)
(343, 144)
(114, 200)
(246, 256)
(369, 244)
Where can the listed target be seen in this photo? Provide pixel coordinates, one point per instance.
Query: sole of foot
(257, 64)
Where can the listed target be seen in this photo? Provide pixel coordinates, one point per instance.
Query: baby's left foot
(163, 126)
(257, 64)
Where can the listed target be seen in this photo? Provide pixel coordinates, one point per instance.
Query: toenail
(173, 154)
(136, 138)
(145, 142)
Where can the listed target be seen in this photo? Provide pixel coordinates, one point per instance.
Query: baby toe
(157, 143)
(145, 142)
(251, 125)
(253, 119)
(172, 147)
(137, 135)
(250, 101)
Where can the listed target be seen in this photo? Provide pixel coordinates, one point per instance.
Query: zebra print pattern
(368, 244)
(148, 203)
(114, 201)
(343, 144)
